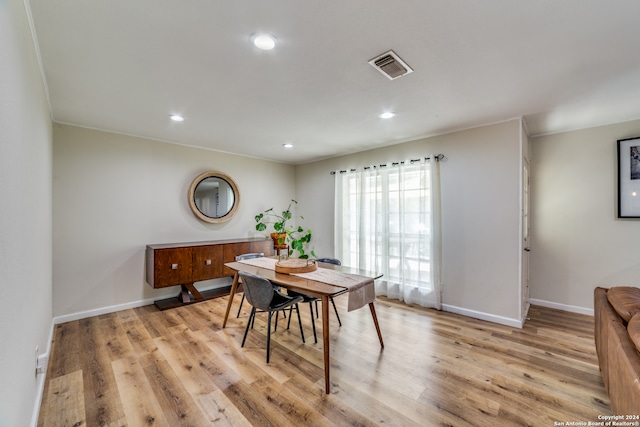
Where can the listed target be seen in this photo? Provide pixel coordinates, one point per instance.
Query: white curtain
(387, 220)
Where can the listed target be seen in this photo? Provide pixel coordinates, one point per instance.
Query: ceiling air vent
(391, 65)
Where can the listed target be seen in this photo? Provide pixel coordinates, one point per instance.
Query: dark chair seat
(311, 300)
(264, 298)
(251, 256)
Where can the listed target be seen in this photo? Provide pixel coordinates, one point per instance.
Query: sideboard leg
(184, 295)
(192, 289)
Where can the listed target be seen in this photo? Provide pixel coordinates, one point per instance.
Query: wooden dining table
(313, 288)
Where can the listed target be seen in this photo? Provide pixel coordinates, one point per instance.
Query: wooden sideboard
(183, 264)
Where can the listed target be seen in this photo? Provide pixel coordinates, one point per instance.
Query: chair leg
(289, 321)
(240, 308)
(284, 313)
(300, 323)
(269, 334)
(246, 330)
(313, 322)
(276, 328)
(336, 310)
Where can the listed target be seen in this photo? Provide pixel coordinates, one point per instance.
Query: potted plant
(285, 234)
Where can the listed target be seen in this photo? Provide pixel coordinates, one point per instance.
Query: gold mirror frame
(192, 202)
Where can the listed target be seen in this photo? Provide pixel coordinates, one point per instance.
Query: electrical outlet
(43, 361)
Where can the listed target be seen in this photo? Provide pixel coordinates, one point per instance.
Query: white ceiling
(124, 66)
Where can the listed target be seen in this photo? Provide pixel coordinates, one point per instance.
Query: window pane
(388, 227)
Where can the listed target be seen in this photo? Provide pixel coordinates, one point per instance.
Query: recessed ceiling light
(387, 115)
(287, 145)
(176, 118)
(263, 41)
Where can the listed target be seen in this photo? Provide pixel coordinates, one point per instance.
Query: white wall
(25, 217)
(481, 213)
(577, 241)
(115, 194)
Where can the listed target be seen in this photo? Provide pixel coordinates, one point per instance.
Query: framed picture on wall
(629, 178)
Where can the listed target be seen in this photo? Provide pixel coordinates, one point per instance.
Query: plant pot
(279, 240)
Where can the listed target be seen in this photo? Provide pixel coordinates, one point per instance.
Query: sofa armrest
(623, 371)
(603, 315)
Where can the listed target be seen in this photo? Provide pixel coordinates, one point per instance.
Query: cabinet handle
(174, 266)
(207, 262)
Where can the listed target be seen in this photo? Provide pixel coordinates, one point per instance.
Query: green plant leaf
(295, 236)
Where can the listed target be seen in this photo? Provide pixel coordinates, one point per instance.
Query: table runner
(361, 288)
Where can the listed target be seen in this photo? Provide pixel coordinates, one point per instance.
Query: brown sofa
(617, 337)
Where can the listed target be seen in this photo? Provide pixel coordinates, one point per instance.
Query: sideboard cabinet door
(207, 262)
(172, 266)
(263, 246)
(231, 250)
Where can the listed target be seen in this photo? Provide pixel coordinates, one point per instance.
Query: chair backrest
(257, 290)
(249, 256)
(335, 261)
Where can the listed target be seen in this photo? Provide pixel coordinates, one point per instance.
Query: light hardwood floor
(144, 367)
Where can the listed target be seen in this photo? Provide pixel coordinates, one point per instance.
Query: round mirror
(214, 197)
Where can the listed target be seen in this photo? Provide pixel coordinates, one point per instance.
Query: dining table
(327, 281)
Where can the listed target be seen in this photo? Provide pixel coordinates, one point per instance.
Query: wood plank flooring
(144, 367)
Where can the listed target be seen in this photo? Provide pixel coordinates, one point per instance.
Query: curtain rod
(438, 157)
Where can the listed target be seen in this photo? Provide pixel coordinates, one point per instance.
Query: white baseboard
(40, 378)
(102, 310)
(563, 307)
(134, 304)
(515, 323)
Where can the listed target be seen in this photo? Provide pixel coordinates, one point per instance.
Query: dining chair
(240, 258)
(263, 297)
(311, 300)
(329, 260)
(251, 256)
